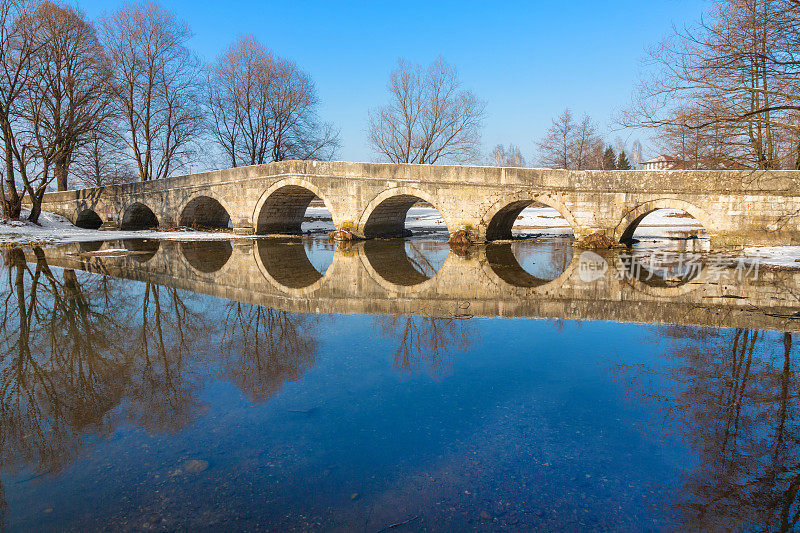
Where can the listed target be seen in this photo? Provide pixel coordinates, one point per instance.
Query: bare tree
(67, 98)
(296, 132)
(59, 94)
(263, 109)
(16, 53)
(587, 146)
(29, 152)
(510, 156)
(102, 161)
(571, 145)
(734, 77)
(155, 86)
(555, 148)
(705, 146)
(237, 101)
(637, 154)
(429, 118)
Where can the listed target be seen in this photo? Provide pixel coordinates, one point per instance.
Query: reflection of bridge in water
(381, 277)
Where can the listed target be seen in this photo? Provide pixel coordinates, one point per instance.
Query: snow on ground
(547, 217)
(669, 218)
(540, 217)
(781, 256)
(57, 229)
(418, 218)
(424, 218)
(320, 220)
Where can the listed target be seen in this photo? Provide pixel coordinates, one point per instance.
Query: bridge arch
(385, 215)
(282, 207)
(630, 220)
(500, 217)
(205, 211)
(88, 219)
(138, 216)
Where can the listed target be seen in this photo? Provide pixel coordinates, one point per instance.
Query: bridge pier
(243, 227)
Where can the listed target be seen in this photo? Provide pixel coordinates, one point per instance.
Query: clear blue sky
(528, 60)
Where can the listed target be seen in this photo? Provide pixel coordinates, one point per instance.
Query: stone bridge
(380, 277)
(371, 200)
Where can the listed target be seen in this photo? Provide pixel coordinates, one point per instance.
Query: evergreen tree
(609, 159)
(622, 161)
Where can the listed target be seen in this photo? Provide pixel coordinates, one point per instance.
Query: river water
(395, 385)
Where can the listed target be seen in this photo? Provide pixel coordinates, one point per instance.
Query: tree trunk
(12, 203)
(61, 171)
(36, 208)
(797, 158)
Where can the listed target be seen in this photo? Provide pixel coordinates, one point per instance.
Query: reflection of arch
(506, 266)
(285, 264)
(500, 218)
(389, 264)
(630, 221)
(207, 256)
(385, 216)
(145, 248)
(282, 207)
(138, 216)
(645, 280)
(390, 261)
(90, 246)
(203, 211)
(88, 219)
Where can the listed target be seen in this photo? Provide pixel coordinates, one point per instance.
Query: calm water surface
(227, 386)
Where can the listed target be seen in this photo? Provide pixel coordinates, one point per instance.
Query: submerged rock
(195, 466)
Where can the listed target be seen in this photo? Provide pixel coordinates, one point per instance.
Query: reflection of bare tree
(419, 260)
(735, 397)
(80, 352)
(163, 391)
(62, 369)
(426, 342)
(264, 348)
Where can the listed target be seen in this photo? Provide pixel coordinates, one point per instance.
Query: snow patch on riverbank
(780, 256)
(53, 228)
